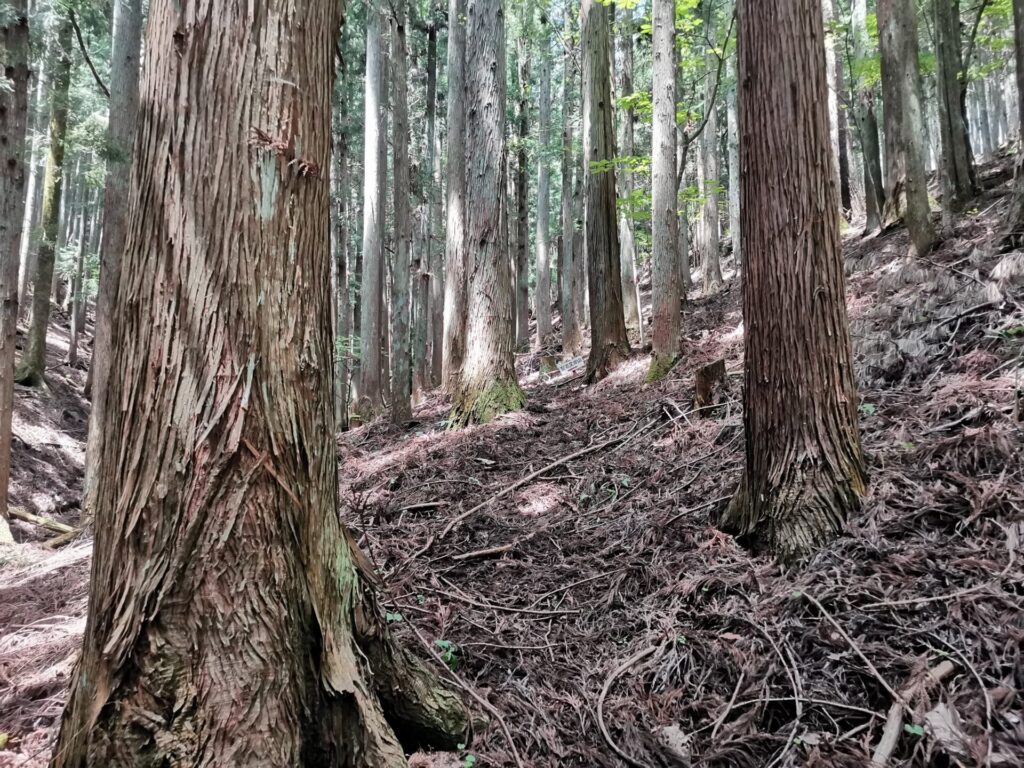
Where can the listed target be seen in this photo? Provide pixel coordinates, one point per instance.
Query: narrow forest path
(595, 605)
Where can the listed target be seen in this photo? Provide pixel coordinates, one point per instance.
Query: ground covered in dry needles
(562, 566)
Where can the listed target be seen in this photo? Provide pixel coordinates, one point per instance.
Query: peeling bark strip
(804, 471)
(228, 619)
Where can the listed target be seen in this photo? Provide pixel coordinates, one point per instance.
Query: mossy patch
(481, 407)
(659, 368)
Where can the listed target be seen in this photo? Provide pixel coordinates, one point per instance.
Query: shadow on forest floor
(595, 605)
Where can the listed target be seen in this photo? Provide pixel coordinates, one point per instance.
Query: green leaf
(867, 409)
(915, 730)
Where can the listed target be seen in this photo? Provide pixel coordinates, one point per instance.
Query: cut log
(709, 382)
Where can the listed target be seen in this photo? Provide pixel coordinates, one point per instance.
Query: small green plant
(915, 730)
(449, 653)
(393, 618)
(867, 409)
(469, 761)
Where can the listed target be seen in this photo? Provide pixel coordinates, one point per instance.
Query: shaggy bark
(33, 362)
(456, 256)
(665, 292)
(14, 44)
(906, 196)
(804, 469)
(609, 344)
(489, 386)
(124, 107)
(230, 622)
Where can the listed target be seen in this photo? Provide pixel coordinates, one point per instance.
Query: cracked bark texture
(804, 469)
(609, 344)
(230, 619)
(958, 177)
(489, 386)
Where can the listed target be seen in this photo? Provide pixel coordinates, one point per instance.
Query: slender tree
(906, 196)
(425, 258)
(627, 240)
(126, 39)
(374, 173)
(522, 200)
(572, 335)
(958, 178)
(804, 469)
(708, 242)
(227, 602)
(489, 386)
(542, 296)
(401, 390)
(609, 344)
(866, 119)
(456, 295)
(732, 118)
(1015, 220)
(33, 363)
(14, 49)
(665, 289)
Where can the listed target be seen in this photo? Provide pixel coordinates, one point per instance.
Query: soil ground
(562, 562)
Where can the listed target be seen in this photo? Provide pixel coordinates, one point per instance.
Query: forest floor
(562, 562)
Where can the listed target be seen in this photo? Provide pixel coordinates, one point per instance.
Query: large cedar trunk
(33, 362)
(665, 272)
(124, 105)
(1015, 220)
(906, 196)
(14, 41)
(609, 344)
(455, 261)
(708, 241)
(957, 163)
(489, 386)
(230, 623)
(804, 470)
(401, 391)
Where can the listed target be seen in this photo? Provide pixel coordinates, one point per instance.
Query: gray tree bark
(401, 354)
(867, 121)
(958, 178)
(627, 240)
(542, 297)
(708, 241)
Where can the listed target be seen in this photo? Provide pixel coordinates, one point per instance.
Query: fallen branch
(456, 522)
(619, 671)
(18, 513)
(499, 550)
(894, 721)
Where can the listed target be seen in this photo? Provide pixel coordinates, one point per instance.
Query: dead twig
(609, 681)
(25, 516)
(894, 721)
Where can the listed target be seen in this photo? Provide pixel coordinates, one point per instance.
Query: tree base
(483, 405)
(807, 511)
(660, 367)
(603, 360)
(29, 376)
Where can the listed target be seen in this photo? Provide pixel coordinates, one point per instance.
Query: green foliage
(449, 653)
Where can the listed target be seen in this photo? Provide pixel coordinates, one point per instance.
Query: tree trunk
(906, 196)
(665, 291)
(522, 251)
(14, 44)
(371, 339)
(682, 154)
(489, 386)
(33, 362)
(456, 296)
(542, 296)
(957, 165)
(984, 118)
(572, 336)
(423, 257)
(401, 389)
(627, 241)
(32, 195)
(1014, 236)
(78, 287)
(828, 13)
(842, 122)
(229, 620)
(339, 247)
(609, 344)
(708, 239)
(126, 40)
(732, 117)
(867, 121)
(804, 469)
(436, 263)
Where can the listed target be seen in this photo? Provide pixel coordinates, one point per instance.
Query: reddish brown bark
(804, 471)
(229, 618)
